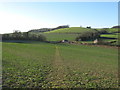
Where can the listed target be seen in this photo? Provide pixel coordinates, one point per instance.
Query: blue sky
(32, 15)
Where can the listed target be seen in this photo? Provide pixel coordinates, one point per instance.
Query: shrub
(103, 31)
(88, 36)
(41, 37)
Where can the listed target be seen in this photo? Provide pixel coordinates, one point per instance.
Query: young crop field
(44, 65)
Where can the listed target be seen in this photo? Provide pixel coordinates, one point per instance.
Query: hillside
(71, 30)
(109, 30)
(48, 29)
(70, 34)
(66, 33)
(106, 34)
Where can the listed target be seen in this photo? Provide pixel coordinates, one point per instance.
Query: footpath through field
(57, 77)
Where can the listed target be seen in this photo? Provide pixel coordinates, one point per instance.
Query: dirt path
(57, 77)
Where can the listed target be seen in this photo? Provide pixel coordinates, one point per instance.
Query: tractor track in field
(56, 78)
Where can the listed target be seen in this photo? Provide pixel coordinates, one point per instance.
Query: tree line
(18, 35)
(48, 29)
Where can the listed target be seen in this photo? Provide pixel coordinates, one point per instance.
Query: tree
(5, 37)
(104, 31)
(88, 36)
(26, 35)
(41, 37)
(17, 35)
(88, 27)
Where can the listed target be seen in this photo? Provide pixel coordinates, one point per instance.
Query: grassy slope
(70, 30)
(65, 33)
(110, 35)
(71, 33)
(58, 37)
(29, 65)
(110, 30)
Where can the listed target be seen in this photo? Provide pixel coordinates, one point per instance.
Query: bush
(103, 31)
(88, 36)
(41, 37)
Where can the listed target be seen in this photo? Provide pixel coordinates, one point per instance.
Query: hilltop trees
(41, 30)
(59, 27)
(88, 27)
(48, 29)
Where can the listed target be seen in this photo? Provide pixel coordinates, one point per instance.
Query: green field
(111, 37)
(65, 33)
(115, 35)
(73, 32)
(110, 30)
(43, 65)
(58, 37)
(70, 30)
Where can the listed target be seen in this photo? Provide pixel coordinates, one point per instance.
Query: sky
(25, 16)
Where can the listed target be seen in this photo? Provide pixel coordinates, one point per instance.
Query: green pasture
(115, 35)
(110, 30)
(70, 30)
(111, 37)
(62, 36)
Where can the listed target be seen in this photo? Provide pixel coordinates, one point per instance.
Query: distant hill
(48, 29)
(116, 26)
(40, 30)
(110, 30)
(75, 30)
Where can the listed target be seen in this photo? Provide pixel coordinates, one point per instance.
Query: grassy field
(43, 65)
(111, 37)
(110, 30)
(71, 30)
(65, 33)
(115, 35)
(58, 37)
